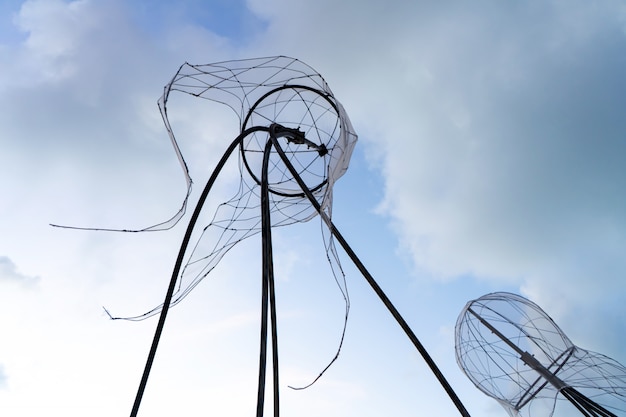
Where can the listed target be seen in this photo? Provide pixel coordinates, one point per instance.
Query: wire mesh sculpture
(295, 140)
(515, 353)
(276, 96)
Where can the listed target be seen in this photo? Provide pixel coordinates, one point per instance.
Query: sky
(492, 142)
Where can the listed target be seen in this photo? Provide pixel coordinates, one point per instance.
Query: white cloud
(510, 177)
(10, 273)
(498, 130)
(3, 378)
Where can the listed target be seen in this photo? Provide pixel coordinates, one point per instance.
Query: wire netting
(514, 352)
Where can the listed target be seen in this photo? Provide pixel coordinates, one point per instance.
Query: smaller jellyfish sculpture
(515, 353)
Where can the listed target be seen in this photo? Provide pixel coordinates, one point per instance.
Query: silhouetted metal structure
(294, 141)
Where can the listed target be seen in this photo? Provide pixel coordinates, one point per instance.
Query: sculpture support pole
(179, 262)
(268, 293)
(372, 282)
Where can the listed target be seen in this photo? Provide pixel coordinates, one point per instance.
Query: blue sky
(490, 158)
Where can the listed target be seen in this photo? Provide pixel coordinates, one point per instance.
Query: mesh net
(317, 140)
(263, 92)
(514, 352)
(276, 90)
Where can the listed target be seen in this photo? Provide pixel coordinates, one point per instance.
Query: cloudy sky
(491, 157)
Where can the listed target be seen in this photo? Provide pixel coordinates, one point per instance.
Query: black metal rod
(529, 395)
(372, 282)
(584, 404)
(573, 400)
(581, 402)
(269, 270)
(260, 402)
(179, 261)
(268, 292)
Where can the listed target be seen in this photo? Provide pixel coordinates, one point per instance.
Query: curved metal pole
(179, 262)
(584, 404)
(370, 279)
(267, 292)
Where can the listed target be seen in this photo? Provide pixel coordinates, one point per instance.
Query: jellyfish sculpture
(294, 141)
(515, 353)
